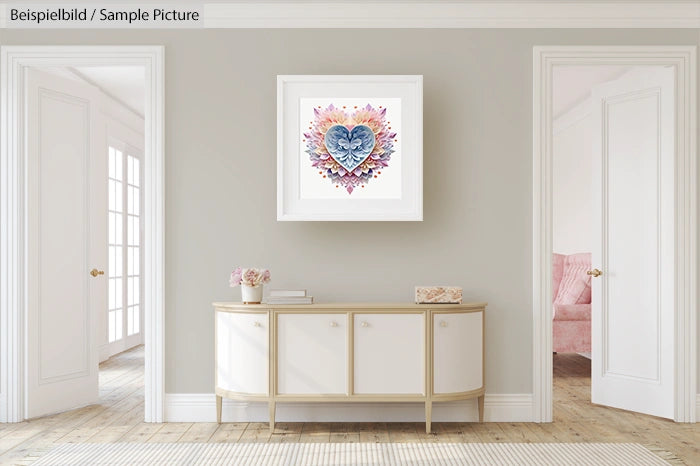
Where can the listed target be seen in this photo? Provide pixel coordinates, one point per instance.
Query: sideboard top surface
(229, 306)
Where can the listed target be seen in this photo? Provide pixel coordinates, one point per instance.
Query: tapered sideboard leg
(481, 408)
(272, 416)
(428, 415)
(218, 409)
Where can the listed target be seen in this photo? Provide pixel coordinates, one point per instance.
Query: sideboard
(353, 352)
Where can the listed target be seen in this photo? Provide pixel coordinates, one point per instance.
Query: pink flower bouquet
(249, 277)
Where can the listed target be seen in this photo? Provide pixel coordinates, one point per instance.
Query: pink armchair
(571, 295)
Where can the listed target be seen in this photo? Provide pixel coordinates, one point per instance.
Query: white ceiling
(124, 83)
(572, 84)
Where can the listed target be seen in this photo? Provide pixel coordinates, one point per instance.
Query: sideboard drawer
(312, 353)
(457, 352)
(389, 353)
(242, 353)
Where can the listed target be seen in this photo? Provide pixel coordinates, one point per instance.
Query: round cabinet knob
(443, 323)
(334, 324)
(364, 324)
(256, 324)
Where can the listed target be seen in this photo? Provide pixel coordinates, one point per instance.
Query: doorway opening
(657, 172)
(83, 146)
(613, 113)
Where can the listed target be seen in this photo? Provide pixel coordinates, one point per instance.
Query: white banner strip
(355, 14)
(103, 16)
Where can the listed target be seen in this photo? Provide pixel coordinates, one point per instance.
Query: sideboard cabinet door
(457, 352)
(389, 353)
(242, 352)
(312, 353)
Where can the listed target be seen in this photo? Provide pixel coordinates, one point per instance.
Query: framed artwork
(350, 148)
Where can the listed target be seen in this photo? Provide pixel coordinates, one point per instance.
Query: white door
(242, 352)
(458, 348)
(633, 199)
(389, 353)
(66, 229)
(312, 353)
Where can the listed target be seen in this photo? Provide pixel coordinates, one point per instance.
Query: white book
(288, 293)
(290, 300)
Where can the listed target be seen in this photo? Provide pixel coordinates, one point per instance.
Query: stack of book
(289, 297)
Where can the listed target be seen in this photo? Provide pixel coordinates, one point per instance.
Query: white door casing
(683, 61)
(311, 353)
(388, 353)
(633, 242)
(66, 231)
(14, 288)
(242, 352)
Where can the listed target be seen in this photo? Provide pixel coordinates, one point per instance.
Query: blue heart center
(349, 148)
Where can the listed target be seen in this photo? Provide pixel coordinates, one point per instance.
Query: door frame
(13, 213)
(683, 58)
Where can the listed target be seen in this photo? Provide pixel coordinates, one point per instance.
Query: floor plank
(256, 432)
(200, 432)
(286, 432)
(140, 433)
(229, 432)
(170, 432)
(314, 432)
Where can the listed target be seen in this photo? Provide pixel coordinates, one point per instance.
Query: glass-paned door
(133, 241)
(125, 237)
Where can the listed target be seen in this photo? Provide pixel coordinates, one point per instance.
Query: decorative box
(438, 295)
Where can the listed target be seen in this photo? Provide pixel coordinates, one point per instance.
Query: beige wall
(220, 176)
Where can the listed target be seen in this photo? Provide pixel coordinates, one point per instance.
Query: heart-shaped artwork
(349, 148)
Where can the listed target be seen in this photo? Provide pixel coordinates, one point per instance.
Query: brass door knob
(95, 272)
(595, 273)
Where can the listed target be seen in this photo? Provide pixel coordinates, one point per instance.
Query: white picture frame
(309, 189)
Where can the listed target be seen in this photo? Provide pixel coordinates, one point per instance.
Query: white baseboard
(201, 407)
(697, 408)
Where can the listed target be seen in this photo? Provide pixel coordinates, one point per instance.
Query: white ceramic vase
(251, 294)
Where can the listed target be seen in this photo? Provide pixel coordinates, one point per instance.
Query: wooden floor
(118, 418)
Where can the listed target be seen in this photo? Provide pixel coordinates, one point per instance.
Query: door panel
(63, 236)
(457, 352)
(389, 353)
(632, 302)
(312, 353)
(242, 352)
(632, 250)
(62, 359)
